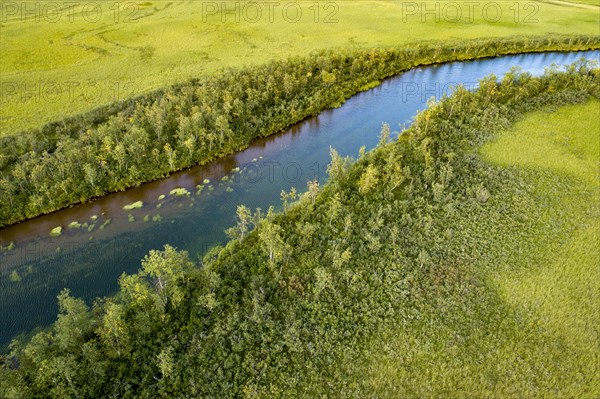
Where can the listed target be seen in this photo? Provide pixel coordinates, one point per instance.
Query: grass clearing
(523, 321)
(562, 293)
(58, 65)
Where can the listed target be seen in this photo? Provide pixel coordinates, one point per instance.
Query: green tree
(243, 221)
(368, 180)
(286, 198)
(74, 322)
(338, 167)
(384, 136)
(114, 331)
(169, 269)
(313, 190)
(335, 207)
(272, 243)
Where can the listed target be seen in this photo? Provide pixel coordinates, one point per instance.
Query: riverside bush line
(289, 308)
(125, 144)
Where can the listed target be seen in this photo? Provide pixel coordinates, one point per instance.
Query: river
(100, 240)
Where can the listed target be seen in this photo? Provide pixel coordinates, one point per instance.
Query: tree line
(127, 143)
(294, 296)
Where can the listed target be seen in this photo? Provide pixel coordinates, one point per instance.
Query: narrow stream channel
(100, 240)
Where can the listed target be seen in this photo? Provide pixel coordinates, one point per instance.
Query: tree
(222, 126)
(90, 174)
(113, 331)
(171, 154)
(384, 136)
(335, 207)
(368, 180)
(340, 258)
(244, 219)
(323, 279)
(120, 155)
(272, 243)
(328, 78)
(168, 268)
(166, 361)
(338, 167)
(313, 190)
(287, 197)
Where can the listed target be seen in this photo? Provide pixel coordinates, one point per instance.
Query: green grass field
(58, 62)
(586, 2)
(523, 321)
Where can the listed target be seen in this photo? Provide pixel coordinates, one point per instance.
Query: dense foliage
(284, 306)
(145, 138)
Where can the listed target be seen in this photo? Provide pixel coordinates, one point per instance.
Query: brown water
(89, 259)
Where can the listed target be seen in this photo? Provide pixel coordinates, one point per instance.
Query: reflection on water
(100, 240)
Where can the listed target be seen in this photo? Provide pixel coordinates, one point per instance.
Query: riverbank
(101, 240)
(410, 238)
(144, 139)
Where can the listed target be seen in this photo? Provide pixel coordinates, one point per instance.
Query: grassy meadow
(524, 321)
(57, 62)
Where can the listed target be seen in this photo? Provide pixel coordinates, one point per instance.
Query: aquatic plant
(135, 205)
(55, 232)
